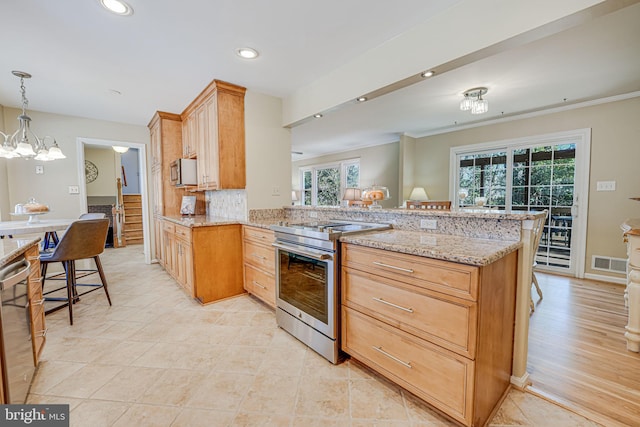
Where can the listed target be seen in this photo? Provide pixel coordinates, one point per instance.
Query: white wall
(378, 165)
(130, 163)
(268, 153)
(52, 186)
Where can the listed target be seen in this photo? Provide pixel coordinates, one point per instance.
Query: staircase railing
(119, 239)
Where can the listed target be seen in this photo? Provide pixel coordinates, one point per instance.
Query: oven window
(303, 284)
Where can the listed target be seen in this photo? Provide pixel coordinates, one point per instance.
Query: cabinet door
(170, 252)
(202, 132)
(189, 135)
(156, 148)
(208, 148)
(156, 185)
(157, 234)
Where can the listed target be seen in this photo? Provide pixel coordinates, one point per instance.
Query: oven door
(305, 286)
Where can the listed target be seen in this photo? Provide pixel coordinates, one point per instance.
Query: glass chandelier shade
(24, 142)
(473, 101)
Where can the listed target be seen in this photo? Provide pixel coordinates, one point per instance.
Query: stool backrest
(84, 238)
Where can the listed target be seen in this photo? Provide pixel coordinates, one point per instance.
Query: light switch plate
(74, 189)
(606, 186)
(313, 214)
(39, 169)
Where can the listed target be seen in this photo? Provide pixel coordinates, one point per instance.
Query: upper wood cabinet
(213, 132)
(166, 142)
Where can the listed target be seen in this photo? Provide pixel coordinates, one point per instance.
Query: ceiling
(163, 55)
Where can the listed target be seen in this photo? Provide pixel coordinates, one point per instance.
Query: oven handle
(295, 250)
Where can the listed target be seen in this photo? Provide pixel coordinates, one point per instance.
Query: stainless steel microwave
(183, 172)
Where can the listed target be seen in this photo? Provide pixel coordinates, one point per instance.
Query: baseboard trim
(603, 278)
(521, 382)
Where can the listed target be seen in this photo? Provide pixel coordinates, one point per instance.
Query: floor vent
(617, 265)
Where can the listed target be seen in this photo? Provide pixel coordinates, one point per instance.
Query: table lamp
(351, 194)
(418, 194)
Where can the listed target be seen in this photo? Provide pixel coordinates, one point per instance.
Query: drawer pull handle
(392, 357)
(259, 285)
(381, 264)
(258, 256)
(409, 310)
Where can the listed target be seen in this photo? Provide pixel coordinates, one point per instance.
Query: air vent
(616, 265)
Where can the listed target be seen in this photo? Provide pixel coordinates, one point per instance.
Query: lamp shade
(294, 196)
(352, 194)
(419, 194)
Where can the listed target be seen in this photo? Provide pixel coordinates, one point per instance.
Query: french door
(549, 173)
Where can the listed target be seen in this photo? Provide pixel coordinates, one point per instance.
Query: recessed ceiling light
(428, 73)
(247, 53)
(361, 99)
(317, 116)
(117, 6)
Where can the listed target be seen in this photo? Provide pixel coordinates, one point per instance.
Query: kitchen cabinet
(36, 304)
(442, 330)
(205, 261)
(165, 131)
(259, 263)
(213, 126)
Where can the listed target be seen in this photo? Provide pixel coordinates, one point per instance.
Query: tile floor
(157, 358)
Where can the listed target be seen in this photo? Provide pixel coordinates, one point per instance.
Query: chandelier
(18, 143)
(473, 101)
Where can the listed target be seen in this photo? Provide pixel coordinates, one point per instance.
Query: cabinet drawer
(441, 378)
(183, 233)
(258, 235)
(446, 321)
(169, 227)
(260, 284)
(440, 276)
(260, 256)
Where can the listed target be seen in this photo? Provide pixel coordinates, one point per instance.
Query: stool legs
(103, 279)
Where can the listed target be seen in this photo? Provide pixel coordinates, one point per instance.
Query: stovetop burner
(327, 230)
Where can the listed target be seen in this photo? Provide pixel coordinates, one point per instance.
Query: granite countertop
(439, 246)
(10, 249)
(208, 221)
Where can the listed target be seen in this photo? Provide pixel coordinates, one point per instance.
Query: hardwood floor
(577, 350)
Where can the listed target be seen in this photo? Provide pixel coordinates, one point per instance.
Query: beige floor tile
(223, 391)
(236, 318)
(123, 353)
(260, 420)
(377, 400)
(190, 417)
(422, 414)
(384, 423)
(162, 355)
(261, 336)
(283, 361)
(174, 387)
(148, 416)
(76, 349)
(509, 414)
(213, 334)
(323, 397)
(129, 384)
(317, 366)
(52, 372)
(270, 394)
(240, 359)
(84, 382)
(97, 413)
(38, 399)
(538, 411)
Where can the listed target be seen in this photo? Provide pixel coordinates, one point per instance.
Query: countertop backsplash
(230, 204)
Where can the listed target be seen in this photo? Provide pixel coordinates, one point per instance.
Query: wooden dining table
(49, 227)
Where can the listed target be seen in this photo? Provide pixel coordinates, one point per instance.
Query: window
(323, 185)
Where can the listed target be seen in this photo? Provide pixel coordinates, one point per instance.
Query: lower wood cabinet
(205, 261)
(442, 330)
(36, 303)
(259, 263)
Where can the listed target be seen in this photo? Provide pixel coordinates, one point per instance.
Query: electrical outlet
(313, 214)
(74, 189)
(429, 224)
(606, 186)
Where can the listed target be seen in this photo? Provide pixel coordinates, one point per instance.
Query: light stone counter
(209, 221)
(445, 247)
(11, 249)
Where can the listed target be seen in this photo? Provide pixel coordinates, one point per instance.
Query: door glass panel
(540, 178)
(328, 185)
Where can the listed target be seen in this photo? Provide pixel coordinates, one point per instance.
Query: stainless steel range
(307, 277)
